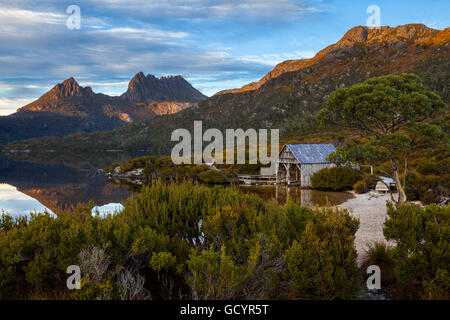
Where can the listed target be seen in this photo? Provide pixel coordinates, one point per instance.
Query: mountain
(68, 88)
(70, 99)
(69, 108)
(371, 39)
(174, 88)
(289, 96)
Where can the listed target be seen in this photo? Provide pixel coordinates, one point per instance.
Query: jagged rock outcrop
(149, 88)
(70, 88)
(50, 100)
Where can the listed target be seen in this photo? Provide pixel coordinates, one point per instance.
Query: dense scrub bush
(382, 255)
(428, 188)
(136, 163)
(427, 167)
(183, 241)
(336, 178)
(368, 183)
(422, 253)
(213, 177)
(164, 168)
(320, 263)
(360, 187)
(155, 168)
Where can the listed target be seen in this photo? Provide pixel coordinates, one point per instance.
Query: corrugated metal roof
(387, 180)
(312, 153)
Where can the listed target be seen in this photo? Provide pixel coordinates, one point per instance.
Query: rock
(149, 88)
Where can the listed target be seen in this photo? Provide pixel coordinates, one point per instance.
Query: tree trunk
(405, 171)
(401, 190)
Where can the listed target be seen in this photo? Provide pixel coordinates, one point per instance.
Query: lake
(61, 184)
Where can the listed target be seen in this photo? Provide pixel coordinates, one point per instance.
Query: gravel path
(371, 209)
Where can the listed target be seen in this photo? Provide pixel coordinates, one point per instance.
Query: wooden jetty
(256, 180)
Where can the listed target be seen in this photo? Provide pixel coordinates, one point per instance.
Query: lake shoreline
(370, 208)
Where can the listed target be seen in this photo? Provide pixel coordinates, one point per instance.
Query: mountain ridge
(290, 100)
(355, 36)
(83, 110)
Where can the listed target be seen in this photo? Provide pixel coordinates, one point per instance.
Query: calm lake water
(63, 184)
(311, 198)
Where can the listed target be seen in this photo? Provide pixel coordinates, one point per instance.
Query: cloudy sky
(215, 44)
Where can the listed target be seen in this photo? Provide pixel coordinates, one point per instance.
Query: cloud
(17, 203)
(274, 59)
(214, 9)
(12, 17)
(142, 34)
(8, 106)
(118, 38)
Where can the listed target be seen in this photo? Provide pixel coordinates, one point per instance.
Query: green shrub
(427, 167)
(360, 187)
(212, 176)
(163, 168)
(427, 188)
(382, 255)
(322, 263)
(422, 252)
(215, 275)
(336, 178)
(184, 239)
(368, 183)
(36, 252)
(113, 166)
(92, 290)
(164, 263)
(136, 163)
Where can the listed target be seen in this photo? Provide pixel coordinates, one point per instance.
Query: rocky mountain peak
(143, 88)
(139, 76)
(51, 100)
(70, 88)
(417, 33)
(355, 35)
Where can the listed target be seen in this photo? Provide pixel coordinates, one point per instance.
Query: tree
(421, 254)
(387, 112)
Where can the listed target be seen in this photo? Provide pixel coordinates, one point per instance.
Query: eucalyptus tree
(390, 115)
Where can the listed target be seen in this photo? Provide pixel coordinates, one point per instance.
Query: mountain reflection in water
(16, 203)
(56, 187)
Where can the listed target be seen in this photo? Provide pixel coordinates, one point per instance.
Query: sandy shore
(371, 209)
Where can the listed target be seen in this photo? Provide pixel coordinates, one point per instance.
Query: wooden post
(288, 173)
(300, 173)
(276, 172)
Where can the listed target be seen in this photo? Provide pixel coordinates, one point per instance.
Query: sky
(16, 203)
(214, 44)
